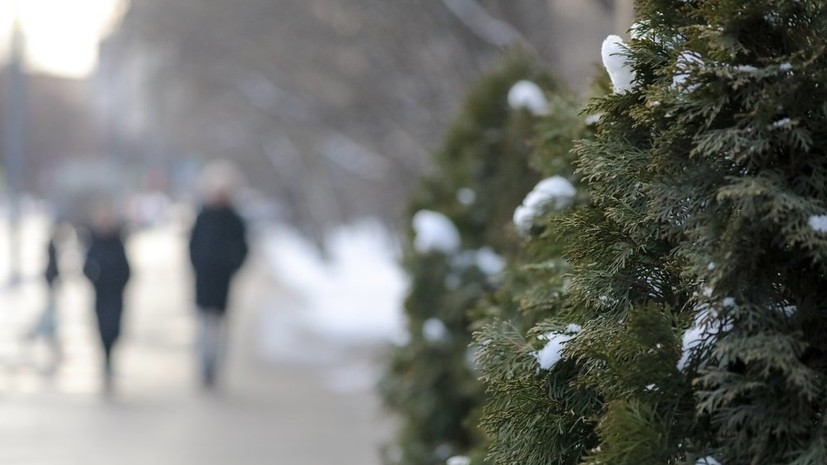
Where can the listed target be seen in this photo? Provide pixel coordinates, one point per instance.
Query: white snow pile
(434, 232)
(706, 327)
(552, 353)
(355, 296)
(526, 95)
(818, 223)
(616, 60)
(707, 461)
(556, 192)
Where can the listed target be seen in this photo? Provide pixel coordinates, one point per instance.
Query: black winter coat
(218, 247)
(52, 272)
(107, 268)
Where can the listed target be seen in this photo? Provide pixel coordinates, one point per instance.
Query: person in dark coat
(108, 270)
(217, 247)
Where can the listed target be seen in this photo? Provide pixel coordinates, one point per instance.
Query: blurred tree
(527, 408)
(326, 102)
(462, 215)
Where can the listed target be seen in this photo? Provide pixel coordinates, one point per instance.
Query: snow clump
(466, 195)
(552, 353)
(592, 119)
(434, 232)
(434, 330)
(616, 60)
(489, 262)
(686, 60)
(818, 223)
(704, 330)
(782, 123)
(555, 191)
(528, 95)
(458, 460)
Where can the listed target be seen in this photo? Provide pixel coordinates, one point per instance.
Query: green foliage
(481, 174)
(703, 241)
(534, 416)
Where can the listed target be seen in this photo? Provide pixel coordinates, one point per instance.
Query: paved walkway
(316, 411)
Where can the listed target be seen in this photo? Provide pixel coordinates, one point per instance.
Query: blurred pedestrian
(107, 268)
(46, 325)
(217, 247)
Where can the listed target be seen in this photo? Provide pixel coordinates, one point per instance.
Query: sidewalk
(287, 411)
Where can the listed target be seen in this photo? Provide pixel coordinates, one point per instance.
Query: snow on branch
(615, 56)
(529, 96)
(555, 191)
(552, 353)
(434, 232)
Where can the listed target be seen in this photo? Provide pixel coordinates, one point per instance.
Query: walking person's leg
(50, 330)
(209, 345)
(109, 325)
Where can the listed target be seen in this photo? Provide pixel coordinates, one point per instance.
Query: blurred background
(329, 109)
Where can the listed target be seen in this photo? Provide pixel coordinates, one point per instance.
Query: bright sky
(61, 36)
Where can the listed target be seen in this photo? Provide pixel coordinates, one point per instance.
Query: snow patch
(434, 232)
(434, 330)
(685, 62)
(555, 191)
(782, 123)
(789, 310)
(483, 258)
(526, 95)
(355, 296)
(458, 460)
(707, 461)
(592, 119)
(818, 223)
(552, 353)
(615, 56)
(704, 330)
(489, 262)
(466, 196)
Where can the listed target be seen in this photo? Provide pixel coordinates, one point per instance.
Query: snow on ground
(312, 310)
(353, 297)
